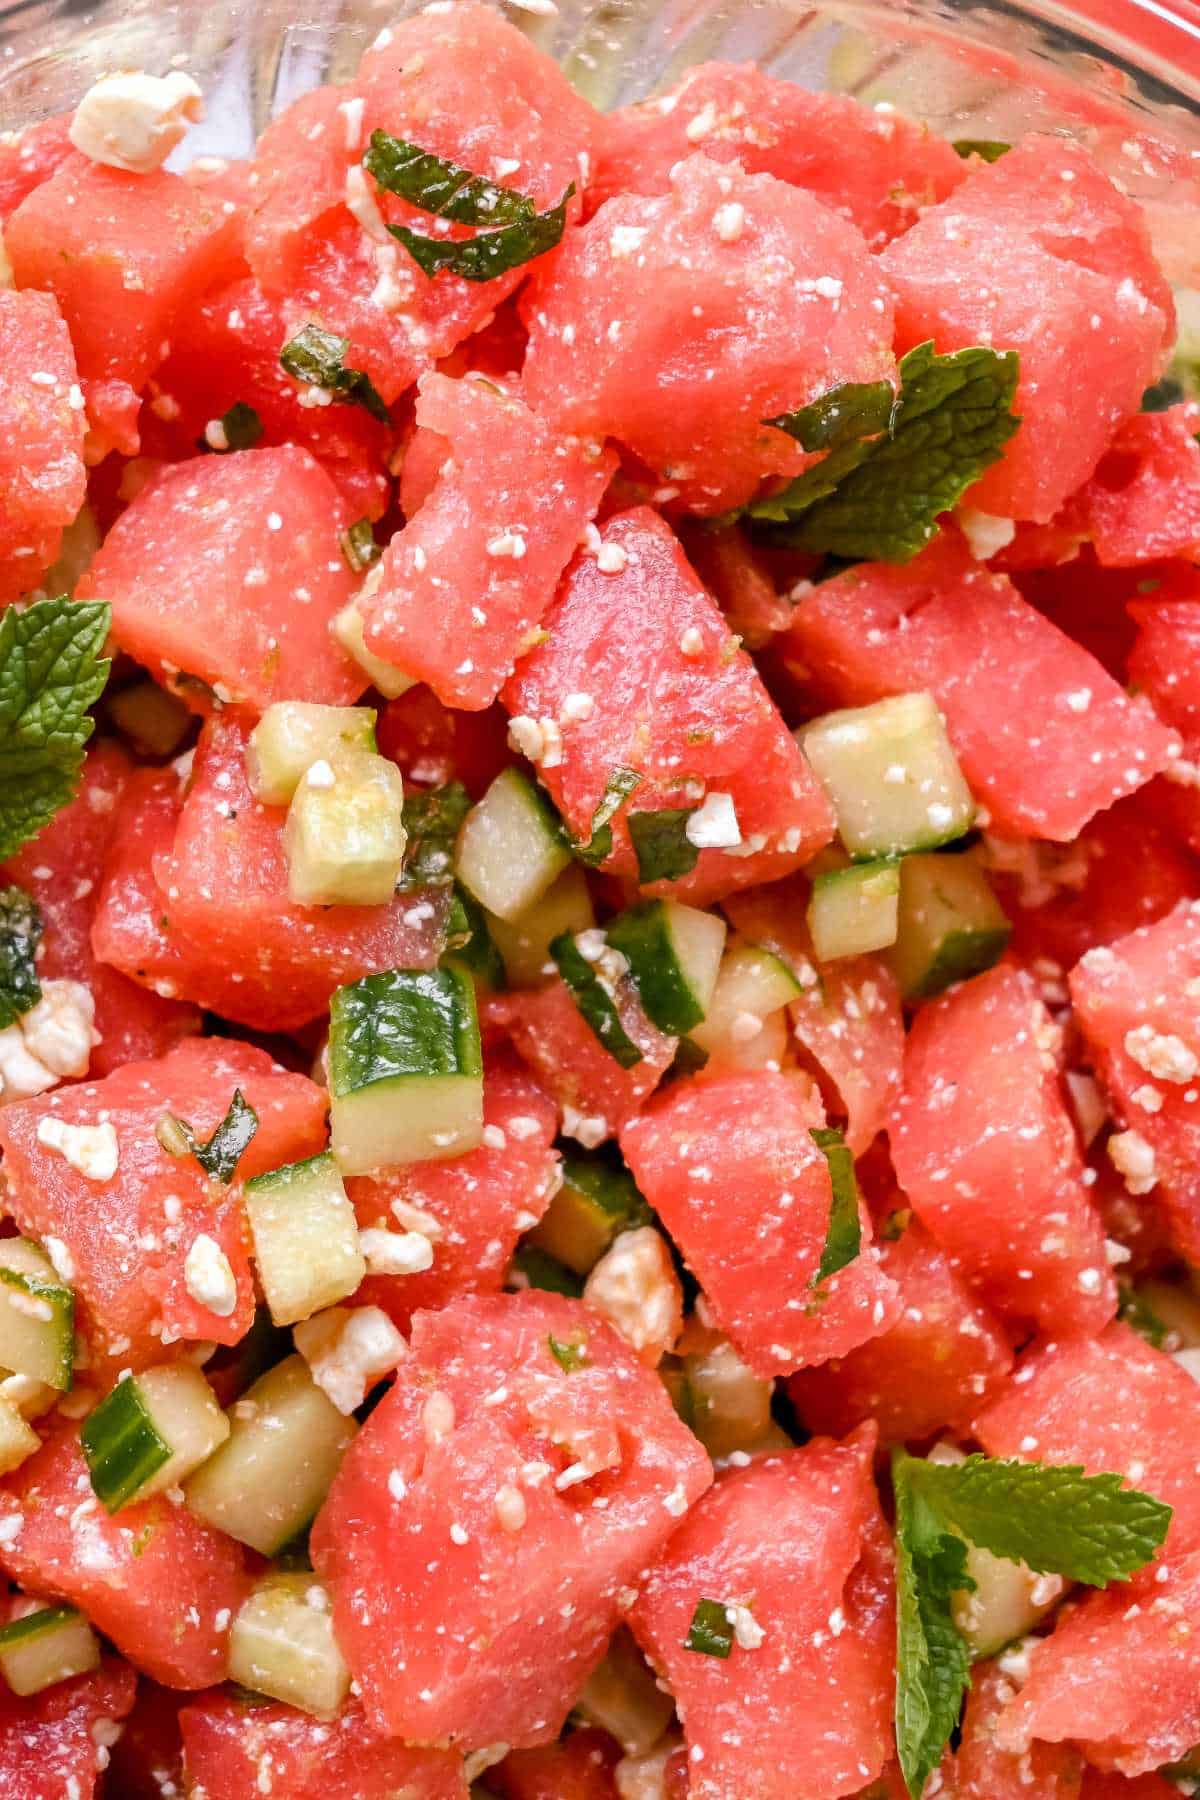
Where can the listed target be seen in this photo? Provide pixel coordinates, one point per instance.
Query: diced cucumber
(730, 1404)
(674, 954)
(745, 1026)
(593, 989)
(154, 721)
(347, 628)
(592, 1207)
(405, 1069)
(305, 1238)
(282, 1644)
(45, 1646)
(37, 1315)
(150, 1432)
(267, 1480)
(1008, 1598)
(29, 1398)
(622, 1697)
(469, 940)
(950, 924)
(344, 835)
(18, 1439)
(511, 846)
(854, 910)
(524, 942)
(891, 776)
(294, 734)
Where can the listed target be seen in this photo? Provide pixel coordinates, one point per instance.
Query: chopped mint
(1057, 1520)
(538, 1269)
(20, 935)
(710, 1633)
(843, 1235)
(358, 546)
(438, 186)
(241, 428)
(432, 820)
(220, 1154)
(1138, 1313)
(593, 999)
(490, 253)
(51, 672)
(880, 489)
(469, 941)
(617, 790)
(568, 1355)
(660, 841)
(990, 149)
(318, 358)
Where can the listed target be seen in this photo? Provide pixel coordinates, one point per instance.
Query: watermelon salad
(599, 950)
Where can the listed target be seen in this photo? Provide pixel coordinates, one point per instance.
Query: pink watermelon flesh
(42, 476)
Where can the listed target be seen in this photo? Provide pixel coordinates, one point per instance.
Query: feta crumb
(747, 1631)
(91, 1149)
(348, 1351)
(511, 1510)
(395, 1252)
(714, 824)
(576, 708)
(134, 121)
(437, 1417)
(729, 221)
(1133, 1158)
(509, 543)
(611, 559)
(1161, 1054)
(52, 1040)
(60, 1257)
(691, 641)
(635, 1286)
(986, 534)
(208, 1277)
(525, 736)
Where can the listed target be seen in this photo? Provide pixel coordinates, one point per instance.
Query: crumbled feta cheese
(508, 543)
(348, 1350)
(1161, 1054)
(511, 1510)
(1133, 1158)
(208, 1277)
(395, 1252)
(691, 641)
(134, 121)
(611, 559)
(60, 1257)
(91, 1149)
(437, 1417)
(986, 534)
(729, 221)
(635, 1286)
(576, 708)
(525, 736)
(714, 824)
(747, 1631)
(52, 1040)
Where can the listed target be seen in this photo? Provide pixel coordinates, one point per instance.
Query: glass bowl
(1124, 75)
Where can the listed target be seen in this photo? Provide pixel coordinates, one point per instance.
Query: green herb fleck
(241, 428)
(491, 253)
(617, 789)
(220, 1154)
(20, 935)
(990, 149)
(843, 1234)
(594, 1001)
(710, 1633)
(879, 491)
(438, 186)
(358, 546)
(318, 358)
(432, 820)
(541, 1270)
(51, 672)
(470, 942)
(932, 1657)
(1138, 1313)
(663, 849)
(569, 1356)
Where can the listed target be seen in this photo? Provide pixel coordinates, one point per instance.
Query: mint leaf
(220, 1154)
(442, 187)
(661, 844)
(432, 819)
(932, 1658)
(594, 1000)
(20, 935)
(318, 357)
(850, 411)
(1137, 1312)
(240, 428)
(617, 790)
(843, 1236)
(710, 1633)
(51, 672)
(491, 253)
(358, 546)
(469, 941)
(990, 149)
(1054, 1518)
(878, 495)
(569, 1355)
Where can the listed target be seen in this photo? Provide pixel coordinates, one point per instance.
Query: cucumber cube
(745, 1027)
(268, 1479)
(18, 1439)
(282, 1644)
(511, 846)
(46, 1646)
(854, 910)
(150, 1432)
(305, 1238)
(294, 734)
(344, 835)
(37, 1315)
(891, 776)
(674, 954)
(524, 942)
(347, 628)
(405, 1069)
(951, 925)
(594, 1204)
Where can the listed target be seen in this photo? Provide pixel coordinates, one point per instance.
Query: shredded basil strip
(318, 357)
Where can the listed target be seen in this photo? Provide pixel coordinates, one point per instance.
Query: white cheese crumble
(52, 1040)
(1161, 1054)
(729, 221)
(635, 1286)
(208, 1277)
(611, 559)
(395, 1252)
(747, 1631)
(1133, 1158)
(348, 1351)
(986, 533)
(134, 121)
(714, 824)
(91, 1149)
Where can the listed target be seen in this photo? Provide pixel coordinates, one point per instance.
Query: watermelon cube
(872, 165)
(578, 1768)
(1143, 502)
(658, 686)
(985, 1150)
(984, 1771)
(42, 477)
(224, 575)
(48, 1743)
(678, 324)
(464, 1515)
(795, 1548)
(1041, 254)
(29, 157)
(730, 1165)
(943, 623)
(465, 585)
